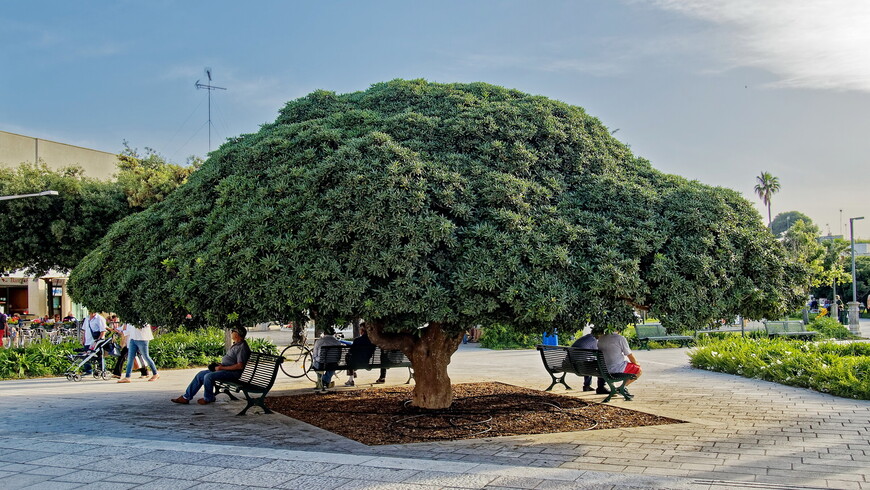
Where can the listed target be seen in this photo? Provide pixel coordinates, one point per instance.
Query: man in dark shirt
(230, 368)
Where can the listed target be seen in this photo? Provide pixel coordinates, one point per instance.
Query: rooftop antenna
(208, 86)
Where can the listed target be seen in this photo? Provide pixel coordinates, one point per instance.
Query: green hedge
(839, 369)
(171, 350)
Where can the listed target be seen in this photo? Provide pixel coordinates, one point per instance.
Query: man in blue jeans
(230, 368)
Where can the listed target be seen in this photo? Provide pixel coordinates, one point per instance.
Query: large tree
(783, 221)
(427, 208)
(767, 185)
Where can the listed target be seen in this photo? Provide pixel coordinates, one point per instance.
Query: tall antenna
(208, 86)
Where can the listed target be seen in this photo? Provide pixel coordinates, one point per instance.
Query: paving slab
(735, 431)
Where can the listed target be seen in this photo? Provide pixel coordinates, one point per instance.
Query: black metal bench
(582, 362)
(655, 332)
(788, 329)
(257, 377)
(338, 358)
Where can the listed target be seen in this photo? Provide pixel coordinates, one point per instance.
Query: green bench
(559, 359)
(788, 329)
(655, 332)
(257, 377)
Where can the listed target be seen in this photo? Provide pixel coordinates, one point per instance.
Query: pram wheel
(104, 375)
(68, 377)
(76, 377)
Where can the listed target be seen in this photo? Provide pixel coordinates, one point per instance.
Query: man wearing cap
(230, 368)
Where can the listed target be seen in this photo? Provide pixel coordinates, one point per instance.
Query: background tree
(835, 259)
(427, 208)
(767, 186)
(783, 221)
(862, 277)
(148, 179)
(55, 232)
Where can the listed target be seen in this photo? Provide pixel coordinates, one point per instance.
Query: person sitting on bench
(615, 349)
(230, 368)
(361, 352)
(590, 341)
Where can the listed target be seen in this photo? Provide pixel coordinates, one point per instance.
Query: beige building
(16, 149)
(47, 295)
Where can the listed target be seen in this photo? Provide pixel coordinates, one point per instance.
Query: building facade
(47, 295)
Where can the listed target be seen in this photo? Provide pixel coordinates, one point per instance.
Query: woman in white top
(122, 330)
(139, 338)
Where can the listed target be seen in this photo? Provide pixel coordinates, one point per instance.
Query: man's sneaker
(588, 388)
(349, 382)
(602, 391)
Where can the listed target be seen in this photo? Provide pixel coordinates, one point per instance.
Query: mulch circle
(378, 416)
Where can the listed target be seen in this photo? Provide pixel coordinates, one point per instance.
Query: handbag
(138, 362)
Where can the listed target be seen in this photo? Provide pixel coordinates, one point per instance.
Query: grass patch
(839, 369)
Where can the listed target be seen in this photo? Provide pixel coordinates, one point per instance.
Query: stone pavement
(738, 433)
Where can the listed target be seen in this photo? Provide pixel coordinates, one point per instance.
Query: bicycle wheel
(297, 361)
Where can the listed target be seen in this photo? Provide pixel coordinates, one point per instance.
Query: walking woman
(139, 338)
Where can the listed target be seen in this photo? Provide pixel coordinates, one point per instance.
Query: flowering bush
(828, 367)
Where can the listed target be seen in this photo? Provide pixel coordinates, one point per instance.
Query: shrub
(171, 350)
(830, 328)
(500, 336)
(839, 369)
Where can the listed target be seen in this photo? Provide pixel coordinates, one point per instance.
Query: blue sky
(713, 90)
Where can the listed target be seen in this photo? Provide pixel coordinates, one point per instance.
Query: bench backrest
(338, 357)
(261, 369)
(784, 326)
(650, 330)
(582, 362)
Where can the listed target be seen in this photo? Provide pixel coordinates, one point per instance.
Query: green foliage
(500, 336)
(783, 221)
(839, 369)
(53, 232)
(148, 179)
(172, 350)
(830, 328)
(460, 204)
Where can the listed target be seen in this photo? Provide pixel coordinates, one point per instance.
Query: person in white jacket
(138, 343)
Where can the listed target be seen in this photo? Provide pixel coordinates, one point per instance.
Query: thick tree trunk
(430, 355)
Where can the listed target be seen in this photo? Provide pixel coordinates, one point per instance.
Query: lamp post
(22, 196)
(853, 306)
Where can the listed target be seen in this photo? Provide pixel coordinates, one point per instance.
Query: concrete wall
(16, 149)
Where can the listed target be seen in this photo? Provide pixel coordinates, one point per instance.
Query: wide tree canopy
(426, 208)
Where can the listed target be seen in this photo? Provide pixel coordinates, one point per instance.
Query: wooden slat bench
(582, 362)
(649, 332)
(337, 358)
(788, 329)
(257, 377)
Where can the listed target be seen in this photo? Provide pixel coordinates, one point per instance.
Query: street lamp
(21, 196)
(853, 306)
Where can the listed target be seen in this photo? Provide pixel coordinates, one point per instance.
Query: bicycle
(297, 357)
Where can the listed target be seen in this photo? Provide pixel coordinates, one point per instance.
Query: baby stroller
(96, 358)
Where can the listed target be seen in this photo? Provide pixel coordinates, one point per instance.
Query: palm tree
(767, 186)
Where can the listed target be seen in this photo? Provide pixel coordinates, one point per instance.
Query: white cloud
(822, 44)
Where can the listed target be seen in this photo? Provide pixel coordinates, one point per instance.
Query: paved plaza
(738, 433)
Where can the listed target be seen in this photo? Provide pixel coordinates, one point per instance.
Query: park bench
(788, 329)
(338, 358)
(257, 378)
(582, 362)
(655, 332)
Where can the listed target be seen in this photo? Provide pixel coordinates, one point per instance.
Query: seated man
(361, 352)
(590, 341)
(615, 349)
(230, 368)
(324, 379)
